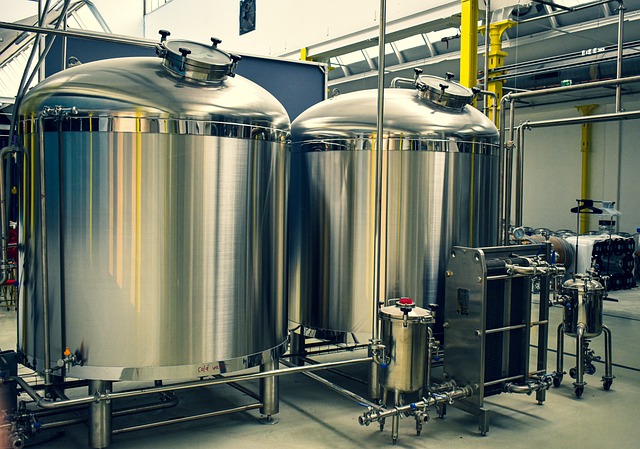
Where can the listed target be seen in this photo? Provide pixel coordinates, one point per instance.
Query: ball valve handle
(184, 52)
(416, 80)
(161, 49)
(163, 35)
(406, 305)
(443, 87)
(234, 62)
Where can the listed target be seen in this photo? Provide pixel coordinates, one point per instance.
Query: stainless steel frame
(488, 322)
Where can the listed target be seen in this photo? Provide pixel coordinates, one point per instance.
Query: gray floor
(313, 417)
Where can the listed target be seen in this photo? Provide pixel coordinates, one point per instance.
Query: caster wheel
(579, 391)
(418, 432)
(572, 373)
(607, 384)
(557, 381)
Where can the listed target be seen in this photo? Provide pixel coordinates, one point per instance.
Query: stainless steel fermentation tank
(161, 252)
(440, 184)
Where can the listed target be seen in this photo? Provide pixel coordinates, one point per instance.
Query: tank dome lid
(405, 306)
(444, 92)
(195, 61)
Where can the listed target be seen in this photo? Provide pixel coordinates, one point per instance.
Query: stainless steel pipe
(374, 389)
(107, 396)
(167, 422)
(99, 415)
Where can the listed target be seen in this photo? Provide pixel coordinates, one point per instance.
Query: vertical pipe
(39, 38)
(270, 391)
(44, 257)
(508, 176)
(585, 148)
(4, 235)
(374, 389)
(485, 72)
(501, 169)
(621, 9)
(469, 43)
(608, 371)
(427, 376)
(99, 415)
(580, 355)
(519, 176)
(560, 353)
(64, 38)
(395, 419)
(298, 347)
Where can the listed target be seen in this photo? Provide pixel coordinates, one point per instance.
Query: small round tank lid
(198, 62)
(580, 282)
(415, 314)
(444, 92)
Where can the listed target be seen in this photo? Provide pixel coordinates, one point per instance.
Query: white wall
(553, 165)
(281, 25)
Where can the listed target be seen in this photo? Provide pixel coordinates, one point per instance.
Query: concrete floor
(312, 416)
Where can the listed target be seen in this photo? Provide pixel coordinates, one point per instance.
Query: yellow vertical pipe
(585, 149)
(496, 60)
(469, 43)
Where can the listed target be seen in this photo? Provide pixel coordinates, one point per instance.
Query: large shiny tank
(165, 217)
(440, 187)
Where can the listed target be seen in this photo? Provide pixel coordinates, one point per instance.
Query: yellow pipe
(496, 60)
(585, 149)
(469, 43)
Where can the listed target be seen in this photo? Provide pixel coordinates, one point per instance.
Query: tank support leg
(579, 384)
(395, 421)
(270, 391)
(374, 381)
(99, 416)
(607, 379)
(298, 346)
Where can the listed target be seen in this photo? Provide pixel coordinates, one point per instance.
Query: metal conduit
(167, 422)
(48, 404)
(338, 389)
(91, 35)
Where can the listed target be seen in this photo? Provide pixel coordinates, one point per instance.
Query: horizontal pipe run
(117, 413)
(338, 389)
(92, 35)
(573, 87)
(505, 276)
(47, 404)
(571, 9)
(505, 329)
(539, 323)
(506, 379)
(380, 413)
(336, 372)
(349, 348)
(167, 422)
(615, 116)
(245, 390)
